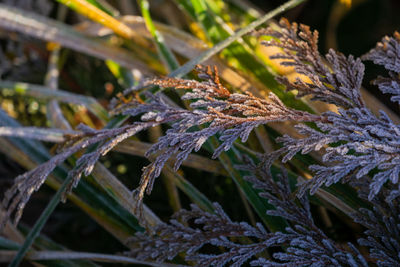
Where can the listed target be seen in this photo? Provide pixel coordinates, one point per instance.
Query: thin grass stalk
(71, 255)
(55, 115)
(167, 57)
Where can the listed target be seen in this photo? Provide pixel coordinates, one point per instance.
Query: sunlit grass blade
(187, 67)
(96, 14)
(50, 30)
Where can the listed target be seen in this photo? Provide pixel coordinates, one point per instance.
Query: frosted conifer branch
(215, 109)
(306, 244)
(367, 142)
(333, 79)
(24, 185)
(231, 115)
(387, 53)
(382, 224)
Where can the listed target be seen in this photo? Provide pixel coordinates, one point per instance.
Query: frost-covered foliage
(231, 115)
(357, 146)
(305, 244)
(366, 142)
(387, 54)
(334, 78)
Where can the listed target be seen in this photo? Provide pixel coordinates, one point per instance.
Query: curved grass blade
(47, 29)
(72, 255)
(43, 134)
(93, 12)
(40, 92)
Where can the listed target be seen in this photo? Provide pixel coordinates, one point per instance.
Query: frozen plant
(357, 146)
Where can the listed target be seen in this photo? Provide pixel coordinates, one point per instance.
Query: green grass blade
(8, 244)
(93, 12)
(164, 52)
(260, 205)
